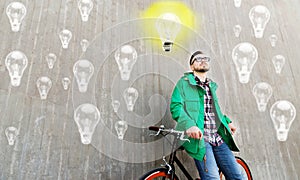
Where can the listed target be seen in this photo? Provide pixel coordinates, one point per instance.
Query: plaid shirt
(210, 127)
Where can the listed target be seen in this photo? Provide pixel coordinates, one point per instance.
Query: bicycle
(168, 171)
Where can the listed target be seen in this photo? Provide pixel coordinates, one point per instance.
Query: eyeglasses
(200, 59)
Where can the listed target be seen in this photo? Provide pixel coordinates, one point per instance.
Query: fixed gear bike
(168, 171)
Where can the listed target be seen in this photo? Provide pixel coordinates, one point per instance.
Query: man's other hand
(232, 128)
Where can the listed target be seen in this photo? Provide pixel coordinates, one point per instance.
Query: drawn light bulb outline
(278, 62)
(125, 57)
(109, 136)
(84, 43)
(65, 37)
(283, 114)
(51, 59)
(16, 12)
(259, 16)
(262, 92)
(244, 56)
(85, 7)
(83, 71)
(11, 134)
(65, 82)
(237, 30)
(16, 63)
(168, 26)
(87, 117)
(115, 104)
(273, 40)
(44, 85)
(121, 128)
(130, 96)
(237, 3)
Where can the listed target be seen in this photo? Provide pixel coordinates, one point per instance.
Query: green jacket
(187, 108)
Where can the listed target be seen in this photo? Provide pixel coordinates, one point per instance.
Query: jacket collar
(191, 78)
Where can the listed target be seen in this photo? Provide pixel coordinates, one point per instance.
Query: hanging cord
(205, 168)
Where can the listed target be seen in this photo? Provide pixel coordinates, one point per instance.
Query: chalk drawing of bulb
(65, 36)
(237, 30)
(85, 7)
(44, 85)
(168, 26)
(237, 3)
(278, 62)
(87, 117)
(11, 134)
(115, 104)
(84, 44)
(273, 40)
(16, 63)
(65, 82)
(51, 59)
(130, 96)
(83, 71)
(262, 92)
(283, 114)
(125, 57)
(244, 56)
(121, 128)
(15, 12)
(259, 16)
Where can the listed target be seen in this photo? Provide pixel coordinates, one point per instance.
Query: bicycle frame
(173, 158)
(169, 170)
(181, 167)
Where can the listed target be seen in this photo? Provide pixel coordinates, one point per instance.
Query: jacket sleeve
(227, 119)
(178, 112)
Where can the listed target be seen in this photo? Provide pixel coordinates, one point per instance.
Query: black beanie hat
(193, 55)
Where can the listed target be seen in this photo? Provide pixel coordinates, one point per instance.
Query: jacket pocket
(191, 146)
(192, 105)
(194, 146)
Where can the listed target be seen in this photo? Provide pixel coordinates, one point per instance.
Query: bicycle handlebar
(154, 128)
(161, 129)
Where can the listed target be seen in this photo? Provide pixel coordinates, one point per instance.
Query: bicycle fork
(171, 169)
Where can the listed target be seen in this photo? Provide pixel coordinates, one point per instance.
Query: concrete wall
(48, 144)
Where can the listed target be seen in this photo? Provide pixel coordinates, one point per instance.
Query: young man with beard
(194, 105)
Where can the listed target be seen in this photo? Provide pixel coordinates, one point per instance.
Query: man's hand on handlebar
(194, 132)
(161, 130)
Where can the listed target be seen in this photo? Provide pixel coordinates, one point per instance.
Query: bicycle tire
(245, 169)
(245, 166)
(158, 173)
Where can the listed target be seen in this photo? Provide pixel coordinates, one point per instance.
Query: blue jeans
(218, 157)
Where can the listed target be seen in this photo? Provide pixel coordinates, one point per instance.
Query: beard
(201, 69)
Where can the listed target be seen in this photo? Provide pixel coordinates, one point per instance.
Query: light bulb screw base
(167, 46)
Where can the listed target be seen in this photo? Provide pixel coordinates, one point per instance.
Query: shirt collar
(199, 82)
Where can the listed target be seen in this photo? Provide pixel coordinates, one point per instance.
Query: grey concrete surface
(48, 144)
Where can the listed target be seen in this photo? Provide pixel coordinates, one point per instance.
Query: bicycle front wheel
(159, 173)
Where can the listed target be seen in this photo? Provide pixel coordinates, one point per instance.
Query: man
(194, 105)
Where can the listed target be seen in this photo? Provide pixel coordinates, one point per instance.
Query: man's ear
(192, 67)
